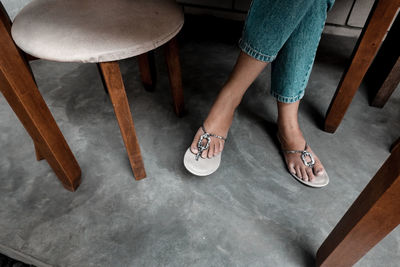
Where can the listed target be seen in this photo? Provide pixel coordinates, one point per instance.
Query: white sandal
(197, 165)
(320, 180)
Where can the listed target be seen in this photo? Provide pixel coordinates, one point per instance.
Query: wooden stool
(103, 32)
(379, 20)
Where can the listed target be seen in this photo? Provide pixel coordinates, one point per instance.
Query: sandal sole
(201, 167)
(323, 180)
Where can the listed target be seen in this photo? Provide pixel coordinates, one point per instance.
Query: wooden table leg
(384, 74)
(374, 214)
(19, 88)
(387, 86)
(147, 70)
(116, 90)
(175, 75)
(364, 52)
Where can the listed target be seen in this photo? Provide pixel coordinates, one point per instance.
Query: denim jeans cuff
(249, 50)
(287, 99)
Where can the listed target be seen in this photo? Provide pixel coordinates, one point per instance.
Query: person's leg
(290, 73)
(291, 138)
(220, 116)
(268, 26)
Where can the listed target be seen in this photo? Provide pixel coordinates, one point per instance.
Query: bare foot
(218, 122)
(292, 139)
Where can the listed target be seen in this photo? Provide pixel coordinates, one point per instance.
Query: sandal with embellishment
(197, 165)
(320, 180)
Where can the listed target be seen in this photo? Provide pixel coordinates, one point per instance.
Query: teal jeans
(286, 33)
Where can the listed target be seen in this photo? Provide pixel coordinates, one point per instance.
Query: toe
(291, 168)
(298, 172)
(193, 146)
(304, 174)
(216, 149)
(318, 168)
(310, 174)
(211, 150)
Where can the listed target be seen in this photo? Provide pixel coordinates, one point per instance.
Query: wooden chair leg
(5, 19)
(116, 90)
(384, 74)
(175, 76)
(374, 214)
(373, 34)
(19, 89)
(147, 70)
(34, 114)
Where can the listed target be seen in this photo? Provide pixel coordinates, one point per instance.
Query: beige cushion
(95, 30)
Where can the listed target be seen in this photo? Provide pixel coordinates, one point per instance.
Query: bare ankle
(289, 129)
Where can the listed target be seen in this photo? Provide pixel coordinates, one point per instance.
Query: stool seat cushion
(95, 30)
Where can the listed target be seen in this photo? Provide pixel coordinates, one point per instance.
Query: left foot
(218, 122)
(291, 138)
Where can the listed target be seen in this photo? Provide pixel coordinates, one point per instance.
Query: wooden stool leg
(377, 25)
(102, 78)
(19, 89)
(175, 76)
(147, 70)
(374, 214)
(116, 90)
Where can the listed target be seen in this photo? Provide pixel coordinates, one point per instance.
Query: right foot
(218, 122)
(293, 139)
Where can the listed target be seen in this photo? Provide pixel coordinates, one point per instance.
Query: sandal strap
(296, 151)
(213, 135)
(304, 154)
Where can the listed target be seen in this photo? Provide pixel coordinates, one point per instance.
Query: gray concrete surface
(249, 213)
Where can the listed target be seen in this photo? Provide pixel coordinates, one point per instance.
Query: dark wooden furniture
(19, 88)
(116, 89)
(113, 30)
(175, 76)
(379, 21)
(374, 214)
(384, 74)
(395, 144)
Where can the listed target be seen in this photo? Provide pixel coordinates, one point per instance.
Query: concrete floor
(249, 213)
